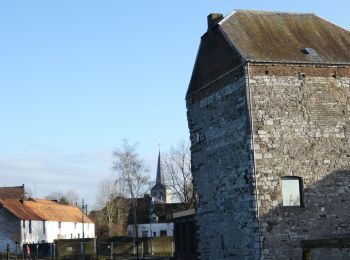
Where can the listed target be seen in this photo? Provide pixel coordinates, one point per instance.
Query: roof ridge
(271, 12)
(266, 12)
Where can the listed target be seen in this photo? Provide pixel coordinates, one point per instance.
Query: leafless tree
(68, 198)
(28, 193)
(177, 172)
(113, 206)
(72, 197)
(130, 172)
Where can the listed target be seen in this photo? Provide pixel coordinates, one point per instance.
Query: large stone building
(269, 118)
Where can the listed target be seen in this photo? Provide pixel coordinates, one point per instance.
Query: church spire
(159, 173)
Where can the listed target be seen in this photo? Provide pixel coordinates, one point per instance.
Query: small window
(144, 233)
(163, 233)
(24, 224)
(59, 224)
(30, 226)
(292, 188)
(78, 235)
(44, 229)
(75, 225)
(154, 234)
(308, 50)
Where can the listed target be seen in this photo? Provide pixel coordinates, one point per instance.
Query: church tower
(159, 192)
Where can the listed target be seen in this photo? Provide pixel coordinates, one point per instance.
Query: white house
(152, 230)
(40, 221)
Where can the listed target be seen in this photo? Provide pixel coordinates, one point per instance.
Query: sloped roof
(280, 37)
(36, 209)
(17, 208)
(16, 192)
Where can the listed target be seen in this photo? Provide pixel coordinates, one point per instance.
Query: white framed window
(292, 191)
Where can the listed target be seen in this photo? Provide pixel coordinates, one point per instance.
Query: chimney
(213, 19)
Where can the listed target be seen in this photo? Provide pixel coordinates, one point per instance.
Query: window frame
(301, 191)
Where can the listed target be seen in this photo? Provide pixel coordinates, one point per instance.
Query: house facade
(152, 230)
(40, 221)
(268, 109)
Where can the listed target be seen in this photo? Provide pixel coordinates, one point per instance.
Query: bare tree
(177, 172)
(113, 206)
(72, 197)
(130, 172)
(68, 198)
(57, 196)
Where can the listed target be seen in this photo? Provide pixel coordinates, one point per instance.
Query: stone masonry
(226, 210)
(301, 128)
(10, 230)
(256, 116)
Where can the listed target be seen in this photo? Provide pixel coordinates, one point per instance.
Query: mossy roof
(280, 37)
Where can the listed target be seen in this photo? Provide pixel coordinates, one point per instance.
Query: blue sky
(76, 77)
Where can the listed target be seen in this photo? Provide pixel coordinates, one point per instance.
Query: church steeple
(159, 178)
(160, 192)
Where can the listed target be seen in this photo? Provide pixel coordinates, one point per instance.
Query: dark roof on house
(16, 192)
(37, 209)
(281, 37)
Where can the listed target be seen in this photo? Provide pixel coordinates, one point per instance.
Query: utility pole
(151, 212)
(83, 206)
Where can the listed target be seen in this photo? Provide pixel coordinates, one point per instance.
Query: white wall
(67, 230)
(36, 235)
(150, 228)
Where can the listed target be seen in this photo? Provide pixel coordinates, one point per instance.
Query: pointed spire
(159, 174)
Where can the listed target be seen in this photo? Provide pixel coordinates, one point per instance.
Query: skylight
(309, 50)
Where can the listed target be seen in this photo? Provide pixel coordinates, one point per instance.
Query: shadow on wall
(324, 214)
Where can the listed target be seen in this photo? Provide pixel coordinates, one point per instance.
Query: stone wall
(301, 128)
(10, 230)
(222, 173)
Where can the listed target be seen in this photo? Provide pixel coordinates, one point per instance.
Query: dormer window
(308, 50)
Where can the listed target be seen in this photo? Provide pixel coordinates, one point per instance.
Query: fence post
(111, 250)
(142, 250)
(8, 251)
(95, 247)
